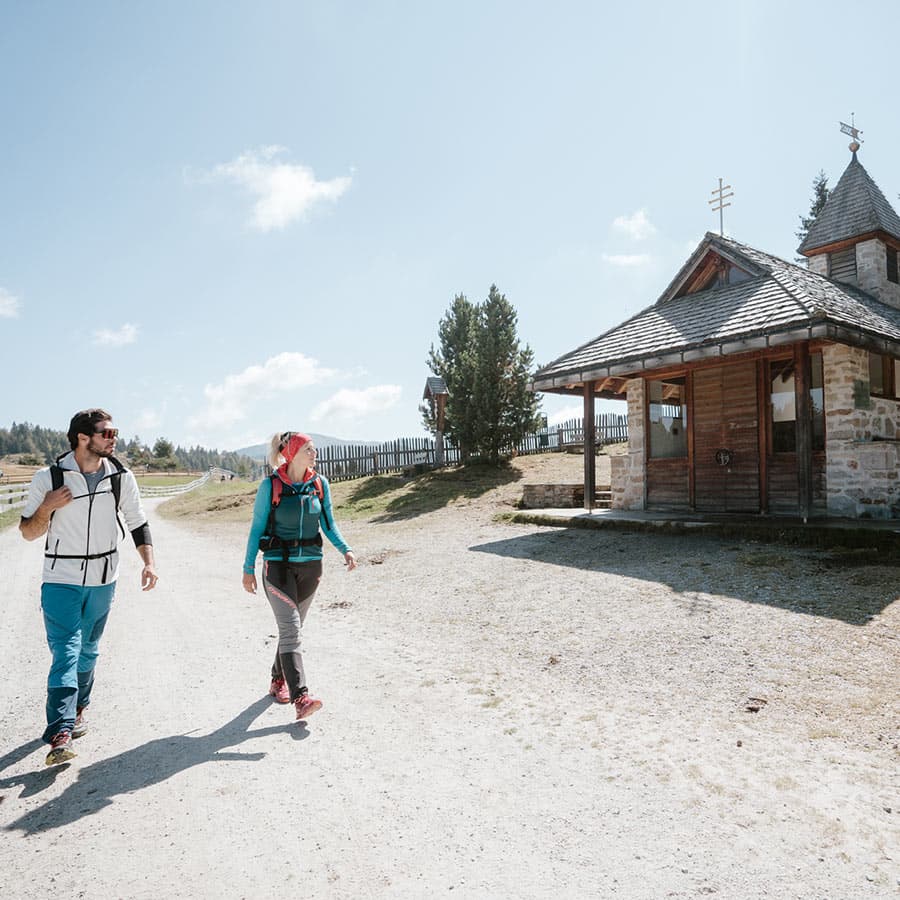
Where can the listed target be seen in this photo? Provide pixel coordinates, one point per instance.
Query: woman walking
(290, 508)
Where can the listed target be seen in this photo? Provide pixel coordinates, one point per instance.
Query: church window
(668, 418)
(892, 272)
(884, 376)
(842, 265)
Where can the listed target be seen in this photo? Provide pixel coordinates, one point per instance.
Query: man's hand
(249, 582)
(36, 525)
(148, 578)
(54, 500)
(350, 561)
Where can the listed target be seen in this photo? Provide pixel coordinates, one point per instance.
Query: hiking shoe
(60, 749)
(81, 724)
(279, 690)
(306, 706)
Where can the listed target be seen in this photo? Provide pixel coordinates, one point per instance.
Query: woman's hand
(249, 582)
(349, 560)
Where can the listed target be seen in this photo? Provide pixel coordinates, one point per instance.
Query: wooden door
(726, 445)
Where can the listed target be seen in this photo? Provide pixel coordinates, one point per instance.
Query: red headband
(293, 445)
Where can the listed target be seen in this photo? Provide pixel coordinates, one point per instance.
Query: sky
(223, 219)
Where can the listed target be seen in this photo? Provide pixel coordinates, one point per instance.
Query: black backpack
(57, 481)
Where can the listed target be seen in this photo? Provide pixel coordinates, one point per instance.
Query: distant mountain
(259, 451)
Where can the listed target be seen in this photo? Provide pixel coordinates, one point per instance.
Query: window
(783, 404)
(842, 265)
(892, 272)
(734, 275)
(884, 376)
(668, 418)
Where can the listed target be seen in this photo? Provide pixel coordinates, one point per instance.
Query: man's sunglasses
(107, 433)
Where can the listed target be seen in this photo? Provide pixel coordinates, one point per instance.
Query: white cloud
(9, 305)
(627, 259)
(636, 226)
(127, 334)
(347, 404)
(227, 402)
(284, 192)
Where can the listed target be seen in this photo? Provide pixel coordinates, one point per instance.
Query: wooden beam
(590, 443)
(804, 428)
(763, 430)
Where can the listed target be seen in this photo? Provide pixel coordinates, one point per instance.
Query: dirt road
(509, 712)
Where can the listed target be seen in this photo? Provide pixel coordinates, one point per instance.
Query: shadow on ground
(852, 586)
(137, 768)
(429, 492)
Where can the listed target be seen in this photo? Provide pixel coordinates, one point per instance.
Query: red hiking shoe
(279, 690)
(306, 706)
(60, 749)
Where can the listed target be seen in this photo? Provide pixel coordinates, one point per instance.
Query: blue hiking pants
(74, 618)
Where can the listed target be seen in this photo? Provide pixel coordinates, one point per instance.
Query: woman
(290, 507)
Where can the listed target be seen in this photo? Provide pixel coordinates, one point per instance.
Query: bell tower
(856, 237)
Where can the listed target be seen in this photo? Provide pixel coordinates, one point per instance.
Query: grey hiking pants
(290, 588)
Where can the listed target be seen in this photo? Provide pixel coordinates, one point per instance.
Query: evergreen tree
(489, 409)
(820, 195)
(454, 361)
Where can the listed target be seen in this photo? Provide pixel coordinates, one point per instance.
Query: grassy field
(380, 498)
(165, 480)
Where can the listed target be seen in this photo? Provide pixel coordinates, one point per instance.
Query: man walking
(77, 503)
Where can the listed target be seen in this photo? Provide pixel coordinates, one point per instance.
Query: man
(81, 518)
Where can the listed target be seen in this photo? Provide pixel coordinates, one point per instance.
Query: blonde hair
(276, 445)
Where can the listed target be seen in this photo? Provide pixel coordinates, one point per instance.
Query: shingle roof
(783, 302)
(434, 386)
(855, 207)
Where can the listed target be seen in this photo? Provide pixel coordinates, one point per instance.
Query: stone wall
(871, 272)
(552, 496)
(627, 472)
(862, 453)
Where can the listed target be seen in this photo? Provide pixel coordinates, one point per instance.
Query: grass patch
(224, 501)
(764, 560)
(388, 498)
(10, 517)
(165, 480)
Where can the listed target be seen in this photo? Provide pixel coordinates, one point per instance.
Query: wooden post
(590, 444)
(802, 385)
(439, 435)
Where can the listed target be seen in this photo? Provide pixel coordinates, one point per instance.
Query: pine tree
(489, 409)
(820, 195)
(454, 362)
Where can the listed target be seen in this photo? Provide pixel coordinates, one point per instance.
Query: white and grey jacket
(83, 536)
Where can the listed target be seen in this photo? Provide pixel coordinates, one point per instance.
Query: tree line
(39, 446)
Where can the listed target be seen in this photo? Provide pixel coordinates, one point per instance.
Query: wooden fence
(14, 495)
(346, 461)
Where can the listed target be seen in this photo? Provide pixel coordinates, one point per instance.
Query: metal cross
(722, 197)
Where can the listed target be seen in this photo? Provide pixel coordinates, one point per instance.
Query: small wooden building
(755, 385)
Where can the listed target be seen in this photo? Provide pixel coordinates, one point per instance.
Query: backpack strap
(115, 480)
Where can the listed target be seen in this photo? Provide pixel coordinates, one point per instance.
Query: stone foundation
(552, 496)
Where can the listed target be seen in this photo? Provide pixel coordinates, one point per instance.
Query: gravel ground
(510, 711)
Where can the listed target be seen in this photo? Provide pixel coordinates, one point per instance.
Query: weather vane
(853, 131)
(720, 199)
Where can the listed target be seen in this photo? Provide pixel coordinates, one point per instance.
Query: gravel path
(510, 711)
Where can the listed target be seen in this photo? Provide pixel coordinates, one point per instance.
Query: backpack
(269, 541)
(115, 480)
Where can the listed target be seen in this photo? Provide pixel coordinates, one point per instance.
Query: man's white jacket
(83, 537)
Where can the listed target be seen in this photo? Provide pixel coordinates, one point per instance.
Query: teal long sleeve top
(311, 515)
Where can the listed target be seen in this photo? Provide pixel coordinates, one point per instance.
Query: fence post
(374, 463)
